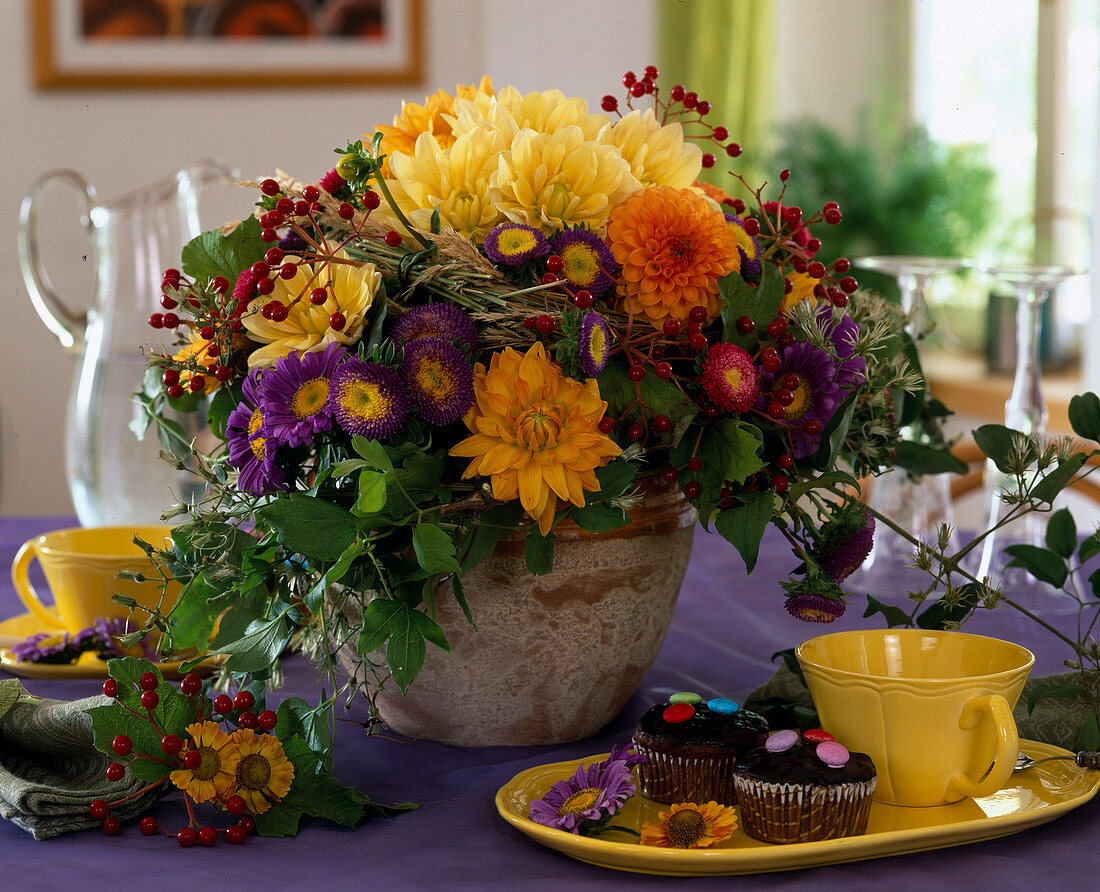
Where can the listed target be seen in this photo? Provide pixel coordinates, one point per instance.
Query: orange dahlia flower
(673, 246)
(534, 433)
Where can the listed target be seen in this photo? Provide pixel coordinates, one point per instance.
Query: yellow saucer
(88, 665)
(1036, 796)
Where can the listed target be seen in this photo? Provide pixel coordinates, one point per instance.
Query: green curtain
(724, 50)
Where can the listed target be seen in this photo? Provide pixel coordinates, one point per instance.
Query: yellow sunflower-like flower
(454, 180)
(307, 328)
(435, 116)
(263, 773)
(196, 349)
(216, 774)
(802, 288)
(689, 826)
(535, 433)
(673, 246)
(553, 181)
(657, 153)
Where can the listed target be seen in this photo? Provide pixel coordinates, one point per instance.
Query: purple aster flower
(595, 344)
(293, 243)
(368, 399)
(848, 553)
(294, 396)
(621, 753)
(747, 246)
(250, 453)
(28, 650)
(592, 793)
(513, 244)
(439, 379)
(815, 608)
(437, 320)
(588, 261)
(842, 332)
(812, 372)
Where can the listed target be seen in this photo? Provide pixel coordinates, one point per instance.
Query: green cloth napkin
(49, 770)
(786, 702)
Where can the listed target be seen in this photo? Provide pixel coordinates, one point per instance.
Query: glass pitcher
(115, 477)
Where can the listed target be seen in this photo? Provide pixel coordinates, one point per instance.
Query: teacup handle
(20, 576)
(1008, 745)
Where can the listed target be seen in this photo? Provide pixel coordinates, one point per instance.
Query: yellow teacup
(933, 710)
(81, 566)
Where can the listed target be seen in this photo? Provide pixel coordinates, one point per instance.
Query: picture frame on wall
(90, 44)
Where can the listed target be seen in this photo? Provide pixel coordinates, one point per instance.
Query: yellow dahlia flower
(351, 289)
(657, 154)
(435, 116)
(551, 181)
(534, 433)
(673, 246)
(456, 180)
(803, 285)
(196, 349)
(263, 773)
(214, 777)
(511, 111)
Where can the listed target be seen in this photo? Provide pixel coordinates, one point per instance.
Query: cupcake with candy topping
(691, 746)
(803, 788)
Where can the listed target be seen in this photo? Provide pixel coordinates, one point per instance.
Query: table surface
(725, 629)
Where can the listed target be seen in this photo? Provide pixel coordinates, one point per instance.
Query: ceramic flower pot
(555, 657)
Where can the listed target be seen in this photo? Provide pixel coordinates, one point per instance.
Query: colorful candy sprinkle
(816, 735)
(781, 741)
(685, 697)
(678, 712)
(833, 754)
(723, 705)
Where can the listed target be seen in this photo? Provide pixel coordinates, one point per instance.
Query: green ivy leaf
(1061, 535)
(894, 616)
(1044, 565)
(539, 552)
(434, 549)
(297, 718)
(729, 450)
(196, 611)
(260, 645)
(1084, 415)
(214, 254)
(403, 630)
(760, 303)
(372, 492)
(599, 517)
(310, 526)
(743, 526)
(373, 452)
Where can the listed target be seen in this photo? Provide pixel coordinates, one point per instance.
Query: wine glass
(918, 506)
(1025, 411)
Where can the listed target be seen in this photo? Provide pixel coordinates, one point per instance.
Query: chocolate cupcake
(804, 789)
(691, 747)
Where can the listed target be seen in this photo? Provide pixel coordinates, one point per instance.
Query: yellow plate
(1038, 795)
(20, 627)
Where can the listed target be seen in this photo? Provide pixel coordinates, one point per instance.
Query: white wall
(122, 140)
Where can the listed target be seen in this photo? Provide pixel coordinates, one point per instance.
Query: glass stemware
(918, 506)
(1025, 411)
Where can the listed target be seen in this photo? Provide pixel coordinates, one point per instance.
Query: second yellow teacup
(932, 709)
(81, 566)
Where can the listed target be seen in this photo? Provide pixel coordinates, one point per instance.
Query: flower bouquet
(500, 313)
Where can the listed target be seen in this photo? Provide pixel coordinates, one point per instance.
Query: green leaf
(314, 792)
(729, 450)
(213, 254)
(260, 645)
(923, 458)
(223, 402)
(743, 527)
(1044, 565)
(309, 526)
(459, 592)
(196, 611)
(1047, 489)
(297, 717)
(1046, 689)
(1088, 738)
(760, 303)
(599, 517)
(1090, 547)
(403, 629)
(944, 613)
(316, 595)
(434, 549)
(373, 452)
(492, 525)
(372, 492)
(539, 552)
(1061, 535)
(665, 398)
(997, 442)
(1084, 415)
(894, 616)
(615, 478)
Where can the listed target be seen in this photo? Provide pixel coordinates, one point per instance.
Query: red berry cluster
(177, 754)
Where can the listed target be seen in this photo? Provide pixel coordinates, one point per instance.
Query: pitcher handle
(996, 709)
(68, 325)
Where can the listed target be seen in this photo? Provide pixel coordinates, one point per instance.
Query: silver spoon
(1082, 760)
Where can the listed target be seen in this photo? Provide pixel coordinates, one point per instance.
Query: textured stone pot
(553, 658)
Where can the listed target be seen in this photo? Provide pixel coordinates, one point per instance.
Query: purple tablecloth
(724, 631)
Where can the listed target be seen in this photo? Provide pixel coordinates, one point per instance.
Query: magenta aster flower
(294, 396)
(367, 399)
(439, 379)
(595, 344)
(588, 261)
(815, 392)
(846, 542)
(729, 377)
(591, 794)
(438, 320)
(815, 608)
(250, 453)
(332, 182)
(513, 244)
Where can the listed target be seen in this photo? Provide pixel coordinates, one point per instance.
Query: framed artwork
(225, 43)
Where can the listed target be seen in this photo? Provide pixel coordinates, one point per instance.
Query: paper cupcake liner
(668, 778)
(803, 813)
